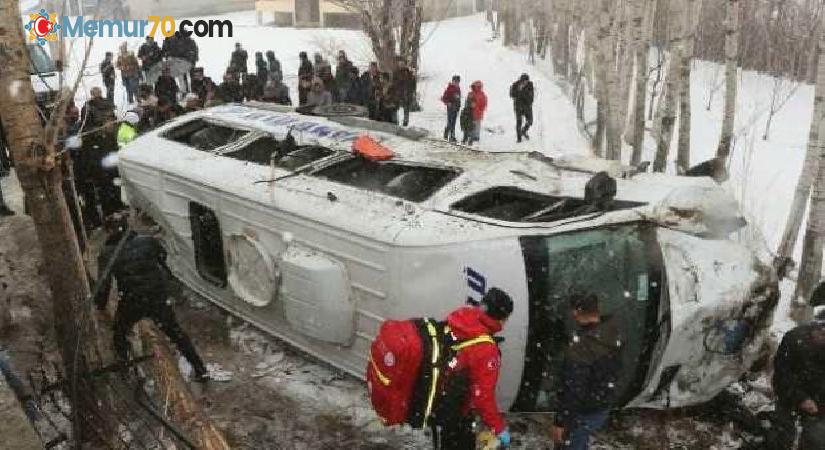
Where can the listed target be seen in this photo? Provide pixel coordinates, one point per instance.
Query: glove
(504, 438)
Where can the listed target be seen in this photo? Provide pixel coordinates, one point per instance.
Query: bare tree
(672, 86)
(782, 91)
(691, 15)
(645, 12)
(380, 19)
(810, 266)
(731, 55)
(810, 167)
(37, 163)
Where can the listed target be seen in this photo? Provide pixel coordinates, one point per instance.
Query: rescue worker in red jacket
(470, 387)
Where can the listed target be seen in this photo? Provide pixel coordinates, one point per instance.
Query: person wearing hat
(305, 75)
(452, 100)
(522, 94)
(238, 60)
(470, 386)
(127, 132)
(588, 376)
(145, 285)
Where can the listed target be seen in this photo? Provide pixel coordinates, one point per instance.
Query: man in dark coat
(274, 66)
(149, 54)
(305, 75)
(404, 80)
(276, 91)
(107, 72)
(452, 100)
(166, 87)
(95, 185)
(343, 79)
(522, 94)
(188, 48)
(200, 83)
(261, 69)
(145, 284)
(230, 91)
(799, 384)
(354, 92)
(371, 89)
(239, 59)
(587, 389)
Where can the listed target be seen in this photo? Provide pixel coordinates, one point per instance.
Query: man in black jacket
(238, 60)
(305, 74)
(107, 72)
(588, 375)
(166, 87)
(405, 83)
(149, 54)
(370, 89)
(145, 284)
(799, 384)
(522, 94)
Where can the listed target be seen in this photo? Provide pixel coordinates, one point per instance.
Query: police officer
(145, 284)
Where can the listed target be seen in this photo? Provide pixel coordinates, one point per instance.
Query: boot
(524, 133)
(446, 134)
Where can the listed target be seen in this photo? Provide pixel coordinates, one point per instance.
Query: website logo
(78, 26)
(42, 27)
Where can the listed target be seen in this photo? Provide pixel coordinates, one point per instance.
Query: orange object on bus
(369, 148)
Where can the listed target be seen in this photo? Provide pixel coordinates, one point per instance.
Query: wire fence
(131, 402)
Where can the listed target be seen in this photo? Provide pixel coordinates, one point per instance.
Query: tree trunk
(182, 406)
(810, 166)
(41, 179)
(810, 265)
(731, 55)
(637, 121)
(606, 67)
(691, 13)
(672, 86)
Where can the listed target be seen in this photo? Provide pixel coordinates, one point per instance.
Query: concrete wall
(284, 14)
(186, 8)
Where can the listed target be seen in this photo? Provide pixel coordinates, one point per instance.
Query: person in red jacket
(479, 101)
(452, 100)
(470, 387)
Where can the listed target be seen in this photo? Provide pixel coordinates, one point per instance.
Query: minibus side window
(622, 267)
(208, 243)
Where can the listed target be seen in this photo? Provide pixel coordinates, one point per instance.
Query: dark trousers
(133, 309)
(454, 434)
(524, 120)
(302, 95)
(3, 206)
(406, 104)
(131, 84)
(783, 431)
(88, 196)
(110, 90)
(452, 119)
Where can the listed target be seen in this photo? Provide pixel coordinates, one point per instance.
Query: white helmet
(132, 118)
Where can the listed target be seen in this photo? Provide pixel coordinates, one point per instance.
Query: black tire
(340, 110)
